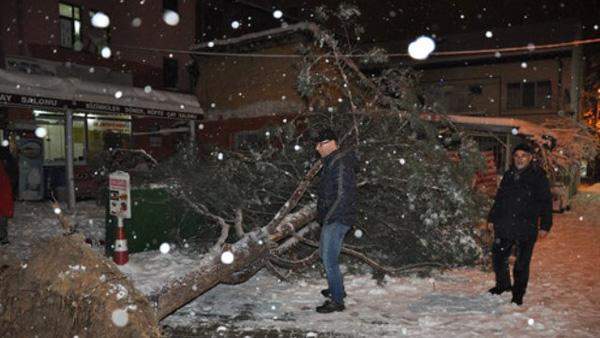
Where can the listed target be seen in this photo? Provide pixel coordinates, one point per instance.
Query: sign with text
(46, 102)
(119, 191)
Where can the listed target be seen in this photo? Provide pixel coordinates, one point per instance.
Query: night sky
(386, 20)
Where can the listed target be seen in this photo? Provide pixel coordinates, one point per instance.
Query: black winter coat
(523, 202)
(337, 189)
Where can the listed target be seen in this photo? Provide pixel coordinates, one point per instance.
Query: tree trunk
(250, 253)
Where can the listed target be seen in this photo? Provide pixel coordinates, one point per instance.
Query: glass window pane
(104, 134)
(76, 13)
(513, 95)
(66, 33)
(54, 142)
(77, 27)
(543, 94)
(170, 4)
(79, 140)
(77, 35)
(528, 94)
(170, 68)
(65, 10)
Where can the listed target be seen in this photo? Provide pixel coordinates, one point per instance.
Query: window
(98, 37)
(529, 94)
(70, 25)
(170, 4)
(92, 134)
(54, 142)
(475, 89)
(105, 133)
(528, 91)
(170, 68)
(155, 140)
(543, 94)
(513, 93)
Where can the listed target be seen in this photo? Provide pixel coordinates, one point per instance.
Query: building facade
(128, 76)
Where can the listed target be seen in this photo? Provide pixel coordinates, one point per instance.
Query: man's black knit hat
(523, 146)
(325, 135)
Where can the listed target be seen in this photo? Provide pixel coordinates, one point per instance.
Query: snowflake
(170, 17)
(165, 248)
(227, 257)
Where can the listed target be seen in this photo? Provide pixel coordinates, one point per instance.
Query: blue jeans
(330, 247)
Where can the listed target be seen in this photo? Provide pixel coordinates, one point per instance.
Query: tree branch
(239, 219)
(296, 264)
(371, 262)
(295, 198)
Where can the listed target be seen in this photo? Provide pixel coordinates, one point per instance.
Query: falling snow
(227, 257)
(100, 20)
(277, 14)
(165, 248)
(421, 48)
(170, 17)
(40, 132)
(106, 52)
(455, 303)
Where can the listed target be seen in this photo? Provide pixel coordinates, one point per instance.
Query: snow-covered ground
(563, 298)
(36, 220)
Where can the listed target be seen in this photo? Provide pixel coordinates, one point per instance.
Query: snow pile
(151, 270)
(66, 289)
(34, 221)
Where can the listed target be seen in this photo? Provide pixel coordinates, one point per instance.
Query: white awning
(42, 91)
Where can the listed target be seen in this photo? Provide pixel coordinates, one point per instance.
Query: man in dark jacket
(523, 203)
(336, 212)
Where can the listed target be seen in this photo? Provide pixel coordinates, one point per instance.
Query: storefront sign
(119, 194)
(45, 102)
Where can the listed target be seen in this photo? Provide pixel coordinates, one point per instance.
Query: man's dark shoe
(517, 299)
(496, 290)
(4, 242)
(329, 307)
(326, 293)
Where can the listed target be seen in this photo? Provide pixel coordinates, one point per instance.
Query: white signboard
(119, 194)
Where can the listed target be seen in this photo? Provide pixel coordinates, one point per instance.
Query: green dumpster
(156, 218)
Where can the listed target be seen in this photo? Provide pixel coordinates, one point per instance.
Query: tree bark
(251, 253)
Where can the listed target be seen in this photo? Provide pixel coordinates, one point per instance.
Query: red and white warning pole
(121, 255)
(120, 207)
